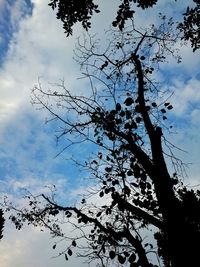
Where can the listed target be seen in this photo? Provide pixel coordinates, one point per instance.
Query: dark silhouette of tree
(191, 25)
(72, 11)
(124, 116)
(2, 220)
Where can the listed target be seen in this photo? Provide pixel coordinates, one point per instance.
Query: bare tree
(124, 116)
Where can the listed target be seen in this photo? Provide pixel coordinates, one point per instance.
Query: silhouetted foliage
(191, 25)
(72, 11)
(141, 206)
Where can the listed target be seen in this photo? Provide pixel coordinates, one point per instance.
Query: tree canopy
(124, 116)
(72, 11)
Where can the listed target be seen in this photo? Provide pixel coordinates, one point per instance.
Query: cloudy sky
(32, 46)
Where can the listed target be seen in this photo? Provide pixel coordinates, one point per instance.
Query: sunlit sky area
(33, 46)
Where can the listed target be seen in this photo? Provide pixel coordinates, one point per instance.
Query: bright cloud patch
(12, 12)
(187, 97)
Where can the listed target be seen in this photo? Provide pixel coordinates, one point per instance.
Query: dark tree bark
(2, 220)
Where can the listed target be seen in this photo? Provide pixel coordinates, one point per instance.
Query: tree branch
(123, 204)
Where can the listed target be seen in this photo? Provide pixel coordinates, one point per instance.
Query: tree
(70, 12)
(124, 115)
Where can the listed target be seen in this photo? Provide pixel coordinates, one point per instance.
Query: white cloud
(38, 49)
(16, 10)
(186, 96)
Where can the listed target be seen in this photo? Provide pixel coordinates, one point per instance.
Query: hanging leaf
(138, 119)
(66, 258)
(69, 252)
(112, 254)
(154, 104)
(129, 101)
(83, 201)
(170, 107)
(126, 254)
(121, 259)
(129, 173)
(132, 258)
(163, 110)
(74, 243)
(101, 194)
(108, 169)
(98, 214)
(122, 113)
(118, 107)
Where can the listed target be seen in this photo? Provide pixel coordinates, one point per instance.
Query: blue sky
(32, 45)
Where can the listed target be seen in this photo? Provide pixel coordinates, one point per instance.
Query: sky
(33, 46)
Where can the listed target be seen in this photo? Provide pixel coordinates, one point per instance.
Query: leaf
(54, 246)
(74, 243)
(107, 190)
(132, 258)
(129, 101)
(118, 107)
(108, 169)
(121, 259)
(138, 119)
(69, 252)
(126, 254)
(122, 113)
(129, 173)
(170, 107)
(101, 194)
(83, 201)
(127, 126)
(154, 104)
(98, 214)
(112, 254)
(163, 110)
(66, 258)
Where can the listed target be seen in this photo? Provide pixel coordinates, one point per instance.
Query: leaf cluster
(191, 25)
(72, 11)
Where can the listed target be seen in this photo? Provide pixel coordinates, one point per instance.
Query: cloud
(31, 247)
(186, 96)
(12, 13)
(38, 48)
